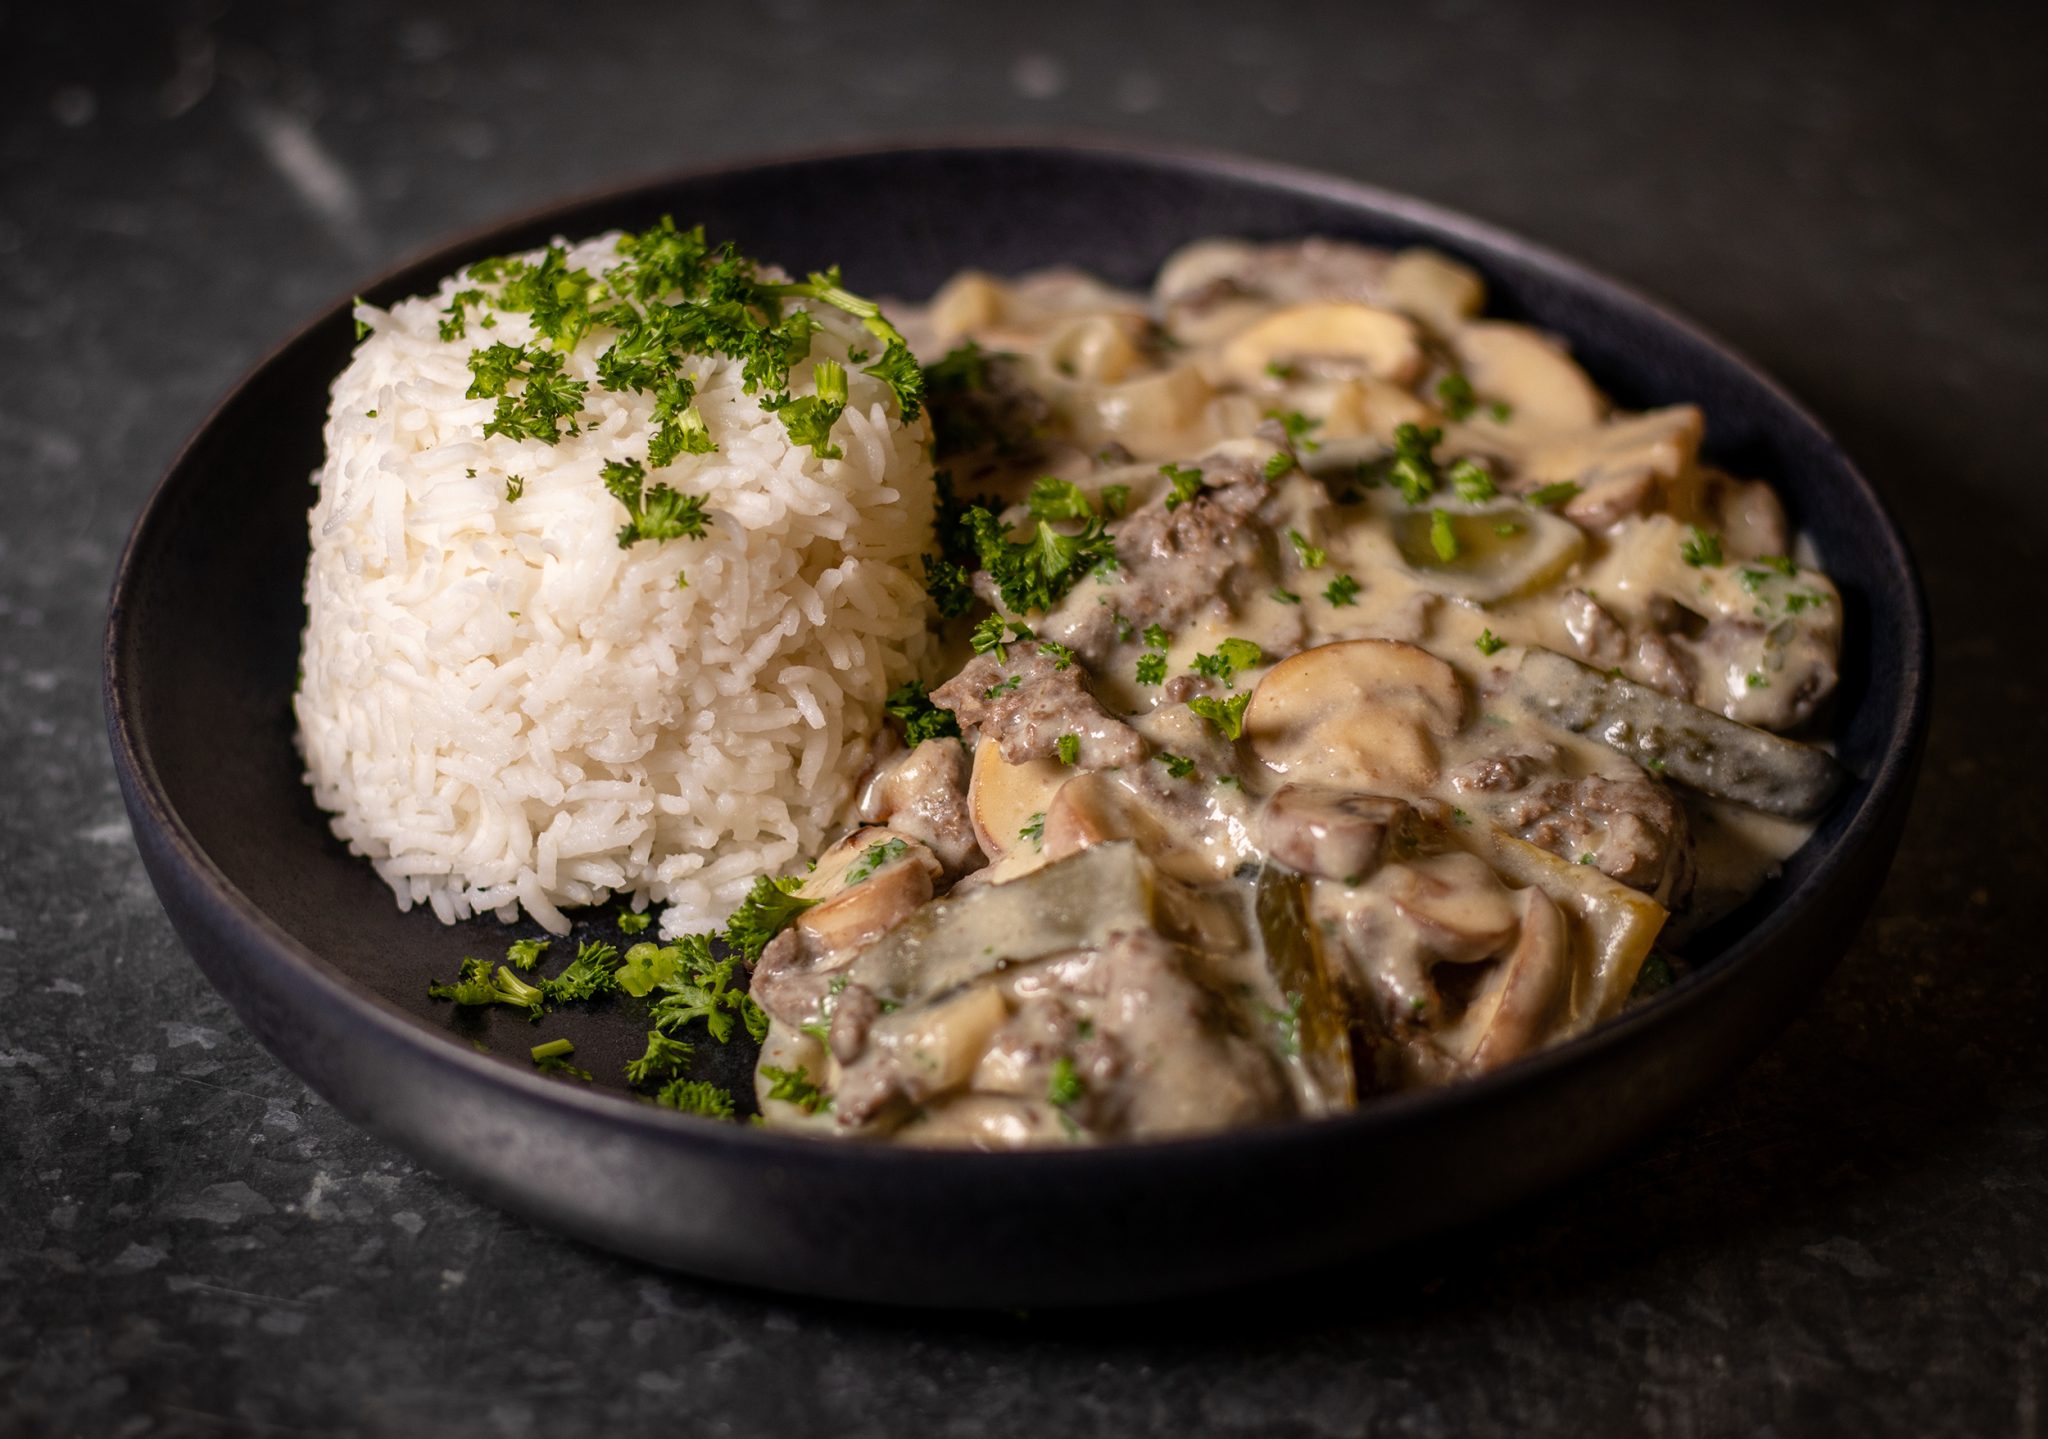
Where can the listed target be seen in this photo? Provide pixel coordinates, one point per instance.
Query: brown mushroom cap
(1356, 714)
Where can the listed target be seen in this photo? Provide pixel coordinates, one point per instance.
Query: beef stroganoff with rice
(1047, 714)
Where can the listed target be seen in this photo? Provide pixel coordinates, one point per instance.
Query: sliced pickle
(1695, 747)
(1300, 968)
(1613, 927)
(1074, 903)
(1501, 552)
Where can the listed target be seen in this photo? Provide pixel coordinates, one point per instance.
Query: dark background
(1850, 1238)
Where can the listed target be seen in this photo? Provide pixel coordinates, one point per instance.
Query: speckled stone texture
(1850, 1239)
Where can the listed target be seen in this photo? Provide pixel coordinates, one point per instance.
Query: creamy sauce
(1370, 850)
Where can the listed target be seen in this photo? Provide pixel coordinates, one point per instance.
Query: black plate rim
(316, 978)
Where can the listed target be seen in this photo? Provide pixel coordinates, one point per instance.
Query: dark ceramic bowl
(202, 643)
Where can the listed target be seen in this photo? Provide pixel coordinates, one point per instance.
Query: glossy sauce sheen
(1408, 867)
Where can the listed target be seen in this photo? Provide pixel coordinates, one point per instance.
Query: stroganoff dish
(1343, 697)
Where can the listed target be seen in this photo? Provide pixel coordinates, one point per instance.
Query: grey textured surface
(1849, 1239)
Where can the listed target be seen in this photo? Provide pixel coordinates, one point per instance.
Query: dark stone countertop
(1850, 1238)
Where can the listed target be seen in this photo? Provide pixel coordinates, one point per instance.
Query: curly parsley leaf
(910, 706)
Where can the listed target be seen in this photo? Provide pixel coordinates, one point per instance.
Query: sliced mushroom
(1357, 714)
(1612, 926)
(1334, 834)
(1606, 459)
(865, 885)
(970, 302)
(1353, 338)
(1436, 290)
(988, 1122)
(1155, 416)
(914, 1054)
(1531, 373)
(1006, 799)
(1456, 902)
(1100, 349)
(1520, 1001)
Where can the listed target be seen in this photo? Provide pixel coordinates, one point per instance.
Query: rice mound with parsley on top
(614, 559)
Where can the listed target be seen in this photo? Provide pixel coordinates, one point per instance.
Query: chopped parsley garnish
(947, 583)
(1296, 426)
(477, 984)
(1053, 498)
(1471, 483)
(1286, 1025)
(1230, 657)
(995, 635)
(553, 1058)
(1035, 574)
(1287, 597)
(810, 419)
(1062, 657)
(1068, 747)
(1114, 498)
(657, 513)
(874, 858)
(515, 486)
(1152, 668)
(1176, 765)
(1277, 465)
(910, 707)
(1186, 483)
(592, 972)
(631, 923)
(769, 906)
(664, 1059)
(1033, 829)
(362, 325)
(1508, 529)
(545, 405)
(1413, 471)
(1500, 412)
(1066, 1086)
(1755, 680)
(1780, 563)
(1157, 637)
(1226, 714)
(794, 1086)
(1454, 394)
(1701, 547)
(1341, 591)
(1552, 495)
(1311, 556)
(1442, 538)
(1002, 687)
(1489, 643)
(524, 954)
(1280, 369)
(697, 1096)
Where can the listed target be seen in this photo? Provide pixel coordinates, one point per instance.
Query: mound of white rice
(502, 708)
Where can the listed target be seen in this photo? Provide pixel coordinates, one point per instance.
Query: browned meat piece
(853, 1008)
(1330, 833)
(1609, 502)
(1176, 563)
(1749, 516)
(1775, 675)
(1499, 772)
(792, 980)
(1191, 1065)
(1028, 701)
(1630, 829)
(1659, 664)
(924, 794)
(1597, 634)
